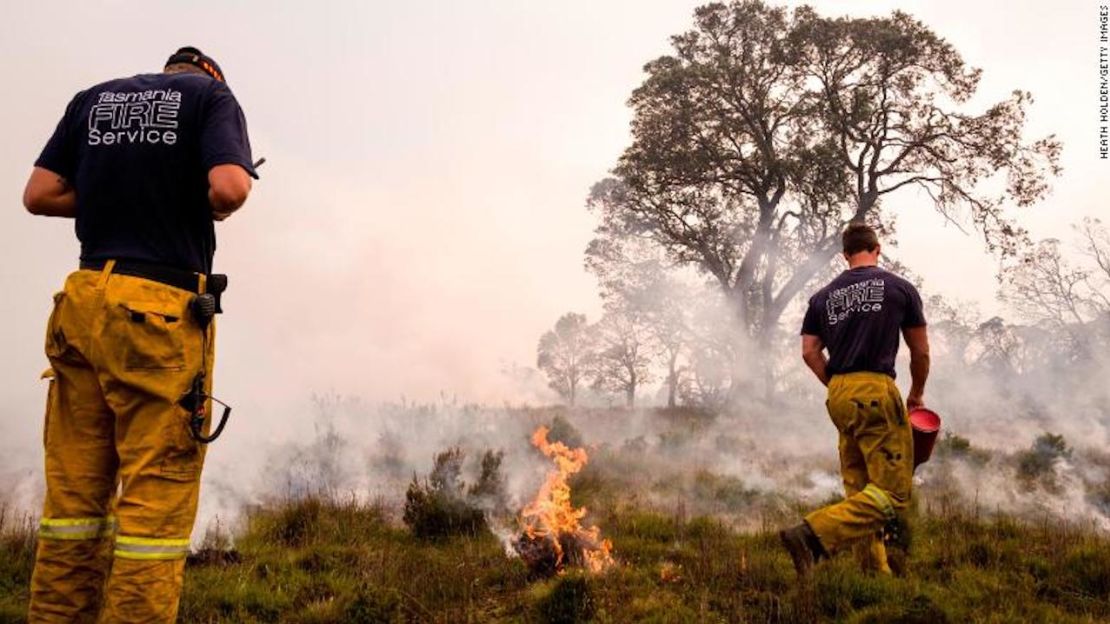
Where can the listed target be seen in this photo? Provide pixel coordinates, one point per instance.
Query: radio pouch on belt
(207, 305)
(203, 308)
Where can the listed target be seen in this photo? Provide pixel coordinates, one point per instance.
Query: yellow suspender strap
(105, 272)
(202, 283)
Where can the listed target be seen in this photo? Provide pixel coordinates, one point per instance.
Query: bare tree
(713, 347)
(1095, 243)
(634, 275)
(1068, 296)
(996, 346)
(952, 326)
(566, 354)
(1045, 287)
(624, 353)
(666, 318)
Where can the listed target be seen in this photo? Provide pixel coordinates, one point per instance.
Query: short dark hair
(182, 68)
(859, 237)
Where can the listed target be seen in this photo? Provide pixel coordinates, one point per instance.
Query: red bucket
(926, 425)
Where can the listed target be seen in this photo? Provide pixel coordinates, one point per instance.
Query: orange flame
(551, 515)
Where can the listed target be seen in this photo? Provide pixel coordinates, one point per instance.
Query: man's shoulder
(187, 82)
(820, 293)
(114, 84)
(898, 280)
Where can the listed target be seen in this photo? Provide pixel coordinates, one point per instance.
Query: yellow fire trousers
(876, 464)
(122, 470)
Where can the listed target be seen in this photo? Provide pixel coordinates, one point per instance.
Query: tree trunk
(630, 389)
(767, 370)
(672, 379)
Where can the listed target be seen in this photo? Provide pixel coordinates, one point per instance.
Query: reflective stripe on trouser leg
(150, 548)
(871, 551)
(76, 528)
(886, 506)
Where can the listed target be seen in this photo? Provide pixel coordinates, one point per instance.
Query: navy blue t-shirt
(859, 316)
(137, 152)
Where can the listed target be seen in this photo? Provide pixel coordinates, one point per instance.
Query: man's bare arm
(228, 187)
(917, 339)
(813, 352)
(48, 194)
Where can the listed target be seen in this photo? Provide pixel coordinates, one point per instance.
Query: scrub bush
(725, 491)
(562, 430)
(1037, 463)
(955, 446)
(17, 557)
(441, 505)
(295, 523)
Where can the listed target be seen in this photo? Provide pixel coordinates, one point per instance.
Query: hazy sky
(420, 217)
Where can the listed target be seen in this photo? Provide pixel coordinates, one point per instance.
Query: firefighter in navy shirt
(858, 317)
(144, 165)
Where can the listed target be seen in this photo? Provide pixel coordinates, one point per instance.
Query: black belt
(215, 283)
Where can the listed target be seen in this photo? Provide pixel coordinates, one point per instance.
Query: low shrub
(442, 505)
(562, 430)
(1037, 463)
(956, 447)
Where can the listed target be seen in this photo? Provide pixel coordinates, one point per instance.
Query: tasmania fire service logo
(135, 117)
(865, 296)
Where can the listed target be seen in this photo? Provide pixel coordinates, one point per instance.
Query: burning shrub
(442, 505)
(553, 536)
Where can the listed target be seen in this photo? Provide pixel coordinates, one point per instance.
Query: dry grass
(318, 560)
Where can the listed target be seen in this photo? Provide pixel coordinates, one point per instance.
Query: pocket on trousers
(151, 337)
(183, 456)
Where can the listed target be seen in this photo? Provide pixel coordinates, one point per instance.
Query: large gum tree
(765, 131)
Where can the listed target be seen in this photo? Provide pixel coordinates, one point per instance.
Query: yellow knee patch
(76, 528)
(128, 547)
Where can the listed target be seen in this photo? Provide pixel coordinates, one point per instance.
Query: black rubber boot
(804, 548)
